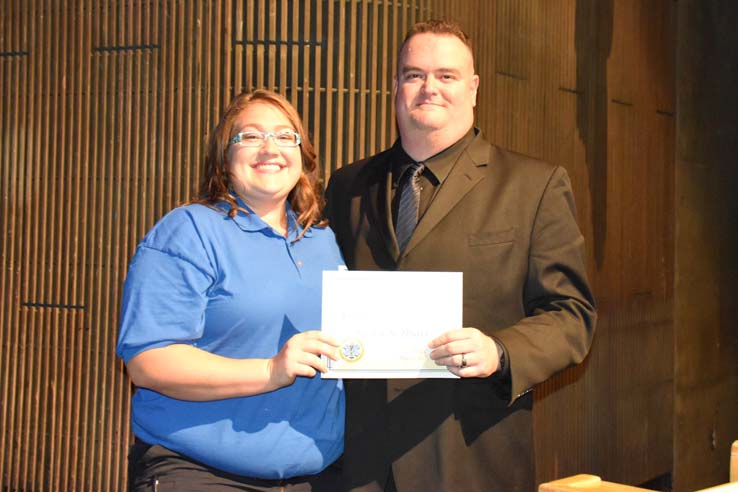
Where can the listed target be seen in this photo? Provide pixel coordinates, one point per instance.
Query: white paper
(384, 321)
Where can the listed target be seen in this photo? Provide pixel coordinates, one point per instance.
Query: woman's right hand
(188, 373)
(300, 356)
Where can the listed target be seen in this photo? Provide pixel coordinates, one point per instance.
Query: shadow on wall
(593, 42)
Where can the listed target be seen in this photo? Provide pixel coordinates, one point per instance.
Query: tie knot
(415, 169)
(411, 175)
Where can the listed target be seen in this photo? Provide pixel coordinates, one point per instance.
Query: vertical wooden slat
(272, 51)
(199, 92)
(49, 225)
(349, 127)
(130, 36)
(386, 69)
(293, 55)
(338, 93)
(251, 34)
(239, 50)
(302, 35)
(18, 478)
(53, 318)
(75, 406)
(189, 35)
(17, 341)
(58, 318)
(180, 103)
(317, 80)
(104, 166)
(12, 98)
(260, 66)
(151, 117)
(222, 58)
(51, 361)
(13, 83)
(8, 223)
(102, 148)
(36, 237)
(328, 119)
(360, 114)
(374, 96)
(167, 131)
(68, 334)
(225, 53)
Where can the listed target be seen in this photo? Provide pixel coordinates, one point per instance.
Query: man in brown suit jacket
(508, 223)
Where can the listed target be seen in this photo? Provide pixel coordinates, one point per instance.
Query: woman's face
(263, 175)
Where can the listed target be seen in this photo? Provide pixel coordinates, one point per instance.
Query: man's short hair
(439, 26)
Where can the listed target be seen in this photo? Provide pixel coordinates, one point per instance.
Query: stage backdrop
(105, 108)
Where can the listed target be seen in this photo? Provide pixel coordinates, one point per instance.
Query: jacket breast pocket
(488, 238)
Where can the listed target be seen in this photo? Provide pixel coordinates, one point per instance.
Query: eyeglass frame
(238, 139)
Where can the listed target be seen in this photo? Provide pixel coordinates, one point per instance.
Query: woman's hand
(300, 356)
(188, 373)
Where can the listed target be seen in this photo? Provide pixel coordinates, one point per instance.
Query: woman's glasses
(286, 138)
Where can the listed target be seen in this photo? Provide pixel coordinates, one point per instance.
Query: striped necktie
(407, 212)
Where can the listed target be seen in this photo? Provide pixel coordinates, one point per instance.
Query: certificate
(384, 321)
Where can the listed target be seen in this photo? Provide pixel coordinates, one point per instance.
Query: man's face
(435, 87)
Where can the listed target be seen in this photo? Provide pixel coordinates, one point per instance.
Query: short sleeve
(165, 292)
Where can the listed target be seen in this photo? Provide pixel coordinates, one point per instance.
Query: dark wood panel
(706, 265)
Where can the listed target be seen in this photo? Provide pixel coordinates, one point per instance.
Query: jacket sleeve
(560, 309)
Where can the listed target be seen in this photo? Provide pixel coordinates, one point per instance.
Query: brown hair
(306, 198)
(439, 26)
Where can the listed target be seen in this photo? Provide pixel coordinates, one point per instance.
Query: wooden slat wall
(589, 85)
(310, 52)
(104, 111)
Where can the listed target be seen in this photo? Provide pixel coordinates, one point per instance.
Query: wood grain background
(105, 108)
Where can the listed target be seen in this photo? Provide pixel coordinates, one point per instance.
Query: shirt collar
(251, 222)
(439, 165)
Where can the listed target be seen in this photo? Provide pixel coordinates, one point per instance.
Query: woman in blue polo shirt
(220, 320)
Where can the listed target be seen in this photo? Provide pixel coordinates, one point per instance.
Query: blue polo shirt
(236, 288)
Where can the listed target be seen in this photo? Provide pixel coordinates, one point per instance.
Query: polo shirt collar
(251, 222)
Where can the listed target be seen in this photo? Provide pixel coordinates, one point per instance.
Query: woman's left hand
(300, 356)
(188, 373)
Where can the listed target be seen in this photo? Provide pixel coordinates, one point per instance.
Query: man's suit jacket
(508, 223)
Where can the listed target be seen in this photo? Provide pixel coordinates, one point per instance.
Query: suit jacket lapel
(465, 174)
(390, 239)
(379, 213)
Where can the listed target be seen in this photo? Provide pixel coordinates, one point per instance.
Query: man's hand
(466, 352)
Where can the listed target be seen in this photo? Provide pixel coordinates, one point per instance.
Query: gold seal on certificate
(352, 350)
